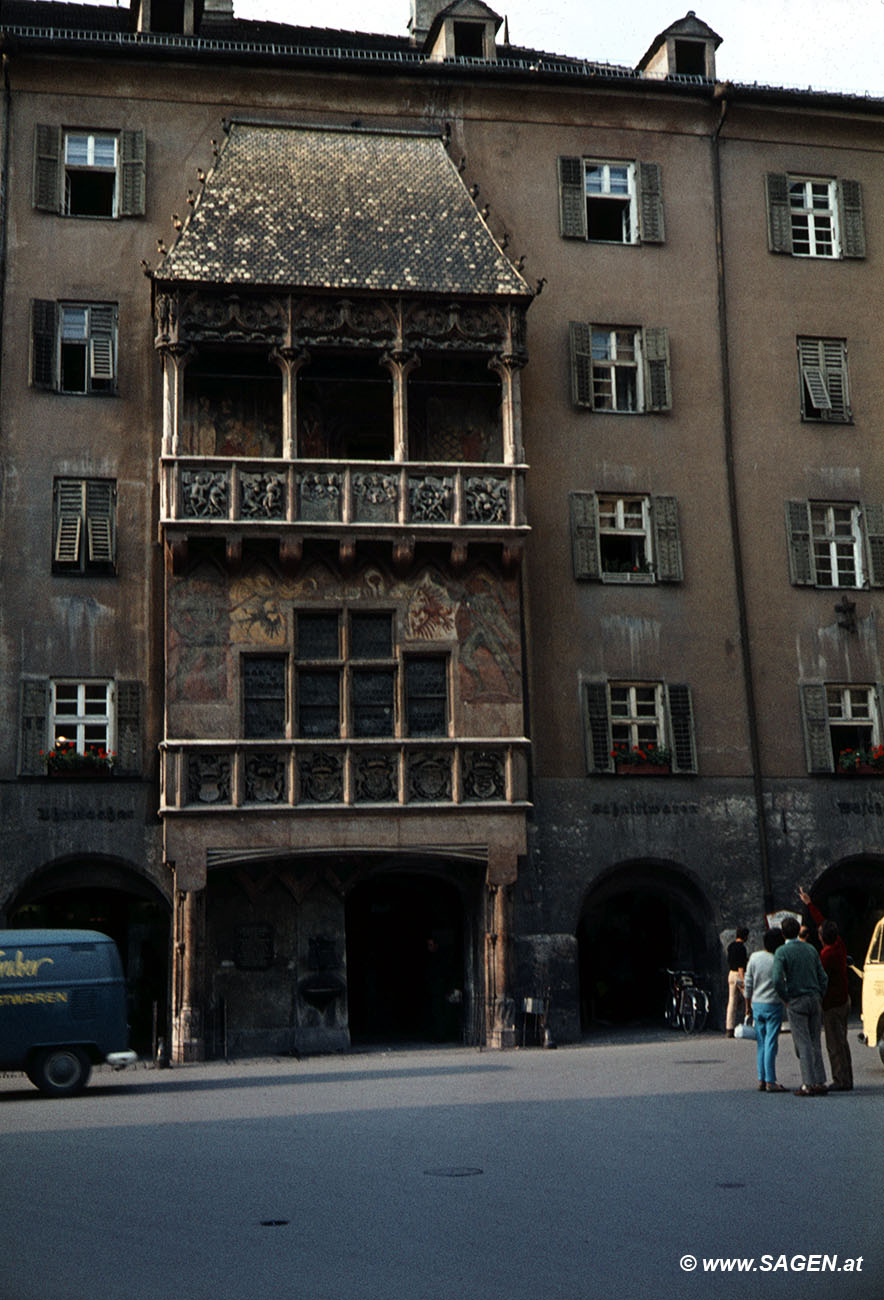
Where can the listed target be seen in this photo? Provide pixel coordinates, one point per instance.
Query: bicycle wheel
(702, 1010)
(671, 1012)
(689, 1011)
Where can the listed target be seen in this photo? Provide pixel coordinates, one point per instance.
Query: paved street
(584, 1173)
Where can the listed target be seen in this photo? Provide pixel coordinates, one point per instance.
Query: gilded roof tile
(324, 208)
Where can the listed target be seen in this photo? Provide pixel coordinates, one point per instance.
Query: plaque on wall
(253, 947)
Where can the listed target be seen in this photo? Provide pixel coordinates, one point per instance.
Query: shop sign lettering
(32, 999)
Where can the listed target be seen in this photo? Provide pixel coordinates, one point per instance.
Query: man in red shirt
(836, 1002)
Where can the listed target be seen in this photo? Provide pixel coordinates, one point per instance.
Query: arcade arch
(636, 920)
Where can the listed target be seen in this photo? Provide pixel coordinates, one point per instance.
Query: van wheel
(60, 1071)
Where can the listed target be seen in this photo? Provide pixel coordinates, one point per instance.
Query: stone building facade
(286, 316)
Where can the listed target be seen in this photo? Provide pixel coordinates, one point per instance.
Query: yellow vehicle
(873, 991)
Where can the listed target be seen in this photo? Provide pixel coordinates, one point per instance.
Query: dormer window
(464, 29)
(690, 58)
(469, 40)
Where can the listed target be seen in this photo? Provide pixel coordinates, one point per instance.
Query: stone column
(500, 1008)
(508, 367)
(290, 360)
(400, 366)
(188, 1042)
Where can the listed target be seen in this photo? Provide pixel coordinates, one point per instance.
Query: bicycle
(687, 1006)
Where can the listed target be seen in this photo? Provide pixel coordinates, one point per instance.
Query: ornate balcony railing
(205, 775)
(205, 493)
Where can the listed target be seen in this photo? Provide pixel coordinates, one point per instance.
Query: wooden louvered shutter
(132, 171)
(44, 325)
(101, 343)
(779, 217)
(581, 364)
(650, 203)
(817, 741)
(680, 721)
(68, 522)
(572, 198)
(34, 711)
(598, 723)
(834, 357)
(873, 522)
(853, 231)
(802, 571)
(47, 168)
(100, 523)
(658, 386)
(128, 762)
(585, 536)
(667, 542)
(813, 374)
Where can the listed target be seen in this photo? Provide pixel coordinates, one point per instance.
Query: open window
(454, 410)
(74, 346)
(610, 201)
(233, 404)
(83, 173)
(345, 406)
(841, 723)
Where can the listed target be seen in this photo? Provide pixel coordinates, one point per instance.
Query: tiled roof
(325, 208)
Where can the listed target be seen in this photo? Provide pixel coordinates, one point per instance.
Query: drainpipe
(720, 96)
(4, 192)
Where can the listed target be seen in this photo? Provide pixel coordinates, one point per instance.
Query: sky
(816, 44)
(822, 44)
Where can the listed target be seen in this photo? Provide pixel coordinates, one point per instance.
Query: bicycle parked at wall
(687, 1004)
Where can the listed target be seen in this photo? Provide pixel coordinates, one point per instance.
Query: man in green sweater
(801, 982)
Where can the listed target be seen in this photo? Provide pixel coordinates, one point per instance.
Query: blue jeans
(768, 1018)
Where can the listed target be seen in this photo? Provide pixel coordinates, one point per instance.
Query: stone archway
(407, 960)
(851, 892)
(97, 894)
(636, 920)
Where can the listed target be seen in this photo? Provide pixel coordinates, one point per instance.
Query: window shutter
(667, 542)
(572, 198)
(101, 342)
(34, 710)
(853, 231)
(44, 324)
(779, 218)
(128, 728)
(68, 521)
(873, 518)
(650, 203)
(581, 364)
(680, 718)
(817, 742)
(810, 361)
(132, 187)
(598, 727)
(100, 522)
(834, 352)
(802, 572)
(585, 536)
(658, 387)
(47, 171)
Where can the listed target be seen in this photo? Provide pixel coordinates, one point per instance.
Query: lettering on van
(23, 967)
(32, 999)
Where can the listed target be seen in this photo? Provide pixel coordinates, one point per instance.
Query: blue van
(62, 1007)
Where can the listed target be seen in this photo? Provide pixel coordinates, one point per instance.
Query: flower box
(860, 769)
(643, 769)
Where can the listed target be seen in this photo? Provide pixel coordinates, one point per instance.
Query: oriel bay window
(232, 404)
(353, 680)
(345, 406)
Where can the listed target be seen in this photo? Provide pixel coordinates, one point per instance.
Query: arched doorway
(406, 976)
(116, 901)
(636, 921)
(852, 893)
